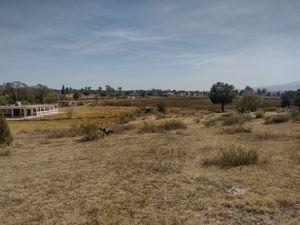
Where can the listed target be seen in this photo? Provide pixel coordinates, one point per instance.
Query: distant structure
(66, 103)
(19, 111)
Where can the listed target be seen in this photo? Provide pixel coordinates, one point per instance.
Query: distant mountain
(283, 87)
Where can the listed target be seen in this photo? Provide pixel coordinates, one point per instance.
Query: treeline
(12, 92)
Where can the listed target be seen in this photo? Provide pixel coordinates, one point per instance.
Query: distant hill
(283, 87)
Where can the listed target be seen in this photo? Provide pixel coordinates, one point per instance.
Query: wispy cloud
(168, 37)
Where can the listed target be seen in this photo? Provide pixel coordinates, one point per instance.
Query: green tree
(250, 101)
(288, 98)
(297, 98)
(76, 95)
(222, 93)
(5, 135)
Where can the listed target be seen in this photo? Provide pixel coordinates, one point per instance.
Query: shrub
(127, 117)
(4, 151)
(259, 114)
(237, 129)
(143, 110)
(91, 135)
(294, 115)
(91, 132)
(250, 101)
(161, 107)
(174, 125)
(70, 113)
(232, 119)
(5, 134)
(234, 156)
(267, 135)
(86, 129)
(169, 125)
(148, 128)
(280, 118)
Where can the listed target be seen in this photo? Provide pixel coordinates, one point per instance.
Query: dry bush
(90, 131)
(280, 118)
(232, 119)
(6, 137)
(161, 107)
(174, 125)
(259, 114)
(148, 128)
(212, 121)
(118, 129)
(237, 129)
(91, 135)
(61, 132)
(142, 109)
(294, 115)
(127, 117)
(70, 112)
(235, 155)
(169, 125)
(267, 135)
(197, 120)
(4, 151)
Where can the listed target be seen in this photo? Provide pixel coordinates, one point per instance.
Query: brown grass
(235, 155)
(154, 178)
(237, 129)
(165, 126)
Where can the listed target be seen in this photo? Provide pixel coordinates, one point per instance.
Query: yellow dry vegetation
(100, 115)
(133, 177)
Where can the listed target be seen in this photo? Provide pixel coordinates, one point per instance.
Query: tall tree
(222, 93)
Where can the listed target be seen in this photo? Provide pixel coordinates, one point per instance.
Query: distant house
(19, 111)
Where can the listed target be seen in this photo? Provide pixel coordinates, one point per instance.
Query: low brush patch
(236, 119)
(237, 129)
(169, 125)
(232, 156)
(280, 118)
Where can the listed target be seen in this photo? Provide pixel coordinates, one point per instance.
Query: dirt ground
(153, 178)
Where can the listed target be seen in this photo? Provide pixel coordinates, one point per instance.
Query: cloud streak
(109, 40)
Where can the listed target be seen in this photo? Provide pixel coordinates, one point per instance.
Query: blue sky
(150, 43)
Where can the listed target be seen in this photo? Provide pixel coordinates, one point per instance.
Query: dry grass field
(96, 114)
(152, 171)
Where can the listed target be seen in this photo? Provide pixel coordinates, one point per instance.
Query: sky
(168, 44)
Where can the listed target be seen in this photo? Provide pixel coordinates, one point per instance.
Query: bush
(232, 119)
(294, 115)
(161, 107)
(174, 125)
(127, 117)
(250, 101)
(4, 151)
(70, 112)
(237, 129)
(143, 110)
(148, 128)
(280, 118)
(259, 114)
(91, 132)
(5, 134)
(234, 156)
(169, 125)
(91, 135)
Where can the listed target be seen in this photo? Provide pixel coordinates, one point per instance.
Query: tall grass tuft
(161, 107)
(280, 118)
(5, 134)
(232, 156)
